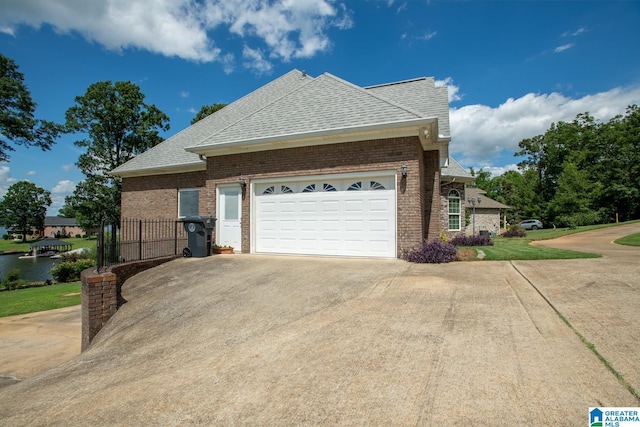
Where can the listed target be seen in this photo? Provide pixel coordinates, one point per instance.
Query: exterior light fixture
(403, 170)
(474, 201)
(242, 182)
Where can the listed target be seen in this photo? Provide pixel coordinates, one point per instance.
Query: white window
(188, 202)
(454, 210)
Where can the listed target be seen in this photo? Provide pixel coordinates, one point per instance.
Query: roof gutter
(163, 170)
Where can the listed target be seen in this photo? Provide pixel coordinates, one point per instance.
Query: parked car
(530, 224)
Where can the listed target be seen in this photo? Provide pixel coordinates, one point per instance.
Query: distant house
(55, 226)
(490, 215)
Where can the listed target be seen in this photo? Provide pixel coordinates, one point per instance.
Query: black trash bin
(485, 233)
(199, 230)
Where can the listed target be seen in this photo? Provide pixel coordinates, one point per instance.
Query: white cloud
(182, 28)
(5, 29)
(563, 48)
(427, 35)
(254, 59)
(5, 180)
(481, 133)
(575, 33)
(184, 94)
(31, 173)
(454, 91)
(58, 193)
(68, 167)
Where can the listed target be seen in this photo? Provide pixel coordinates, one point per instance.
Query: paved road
(267, 340)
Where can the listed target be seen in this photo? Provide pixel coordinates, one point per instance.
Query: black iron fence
(137, 239)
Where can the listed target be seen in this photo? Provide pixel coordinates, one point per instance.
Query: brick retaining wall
(101, 296)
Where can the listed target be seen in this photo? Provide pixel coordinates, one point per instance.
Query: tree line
(114, 124)
(576, 173)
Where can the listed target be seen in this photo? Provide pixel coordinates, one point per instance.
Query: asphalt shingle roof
(486, 203)
(455, 170)
(324, 103)
(420, 95)
(295, 104)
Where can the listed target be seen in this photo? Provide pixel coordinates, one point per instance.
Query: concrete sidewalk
(292, 340)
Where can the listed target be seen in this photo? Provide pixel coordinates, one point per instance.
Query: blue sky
(512, 67)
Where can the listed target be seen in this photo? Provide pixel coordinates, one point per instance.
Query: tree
(118, 125)
(207, 110)
(24, 208)
(67, 211)
(17, 122)
(574, 204)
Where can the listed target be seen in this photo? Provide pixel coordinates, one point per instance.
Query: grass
(43, 298)
(630, 240)
(519, 248)
(11, 246)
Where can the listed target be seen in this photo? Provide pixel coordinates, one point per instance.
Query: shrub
(431, 252)
(78, 236)
(471, 241)
(70, 271)
(5, 236)
(13, 281)
(514, 231)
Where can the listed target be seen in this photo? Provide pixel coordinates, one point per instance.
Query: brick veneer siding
(101, 296)
(156, 196)
(432, 202)
(362, 156)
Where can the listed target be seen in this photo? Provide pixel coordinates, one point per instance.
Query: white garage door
(322, 216)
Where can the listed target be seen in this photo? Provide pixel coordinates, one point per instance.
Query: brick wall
(362, 156)
(156, 196)
(432, 202)
(101, 296)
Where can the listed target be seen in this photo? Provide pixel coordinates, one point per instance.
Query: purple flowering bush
(431, 252)
(471, 241)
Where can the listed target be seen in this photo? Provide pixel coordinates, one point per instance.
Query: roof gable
(299, 109)
(171, 153)
(486, 202)
(421, 95)
(322, 104)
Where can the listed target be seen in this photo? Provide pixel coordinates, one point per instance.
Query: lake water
(31, 269)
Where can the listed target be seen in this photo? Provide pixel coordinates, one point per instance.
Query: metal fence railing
(137, 239)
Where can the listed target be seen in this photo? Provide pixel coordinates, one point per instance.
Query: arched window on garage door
(454, 210)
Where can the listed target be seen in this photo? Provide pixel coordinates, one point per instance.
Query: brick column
(99, 302)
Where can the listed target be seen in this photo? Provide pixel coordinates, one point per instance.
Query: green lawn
(519, 248)
(630, 240)
(11, 246)
(43, 298)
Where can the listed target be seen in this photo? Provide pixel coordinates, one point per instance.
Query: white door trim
(220, 190)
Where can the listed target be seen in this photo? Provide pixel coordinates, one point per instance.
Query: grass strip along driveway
(519, 248)
(631, 240)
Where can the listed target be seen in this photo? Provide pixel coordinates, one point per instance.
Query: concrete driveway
(266, 340)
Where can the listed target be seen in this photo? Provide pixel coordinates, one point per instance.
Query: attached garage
(352, 215)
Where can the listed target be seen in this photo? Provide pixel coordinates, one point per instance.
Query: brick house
(315, 166)
(490, 215)
(55, 226)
